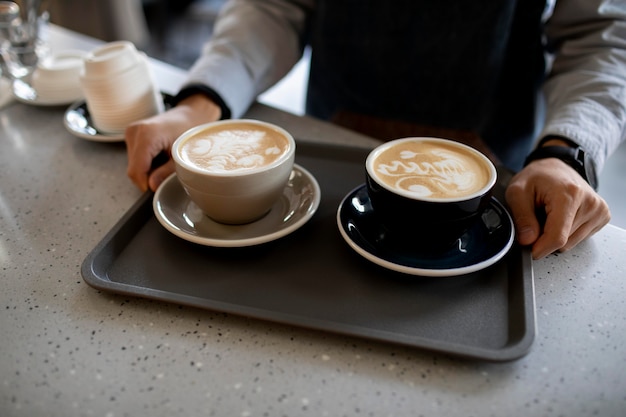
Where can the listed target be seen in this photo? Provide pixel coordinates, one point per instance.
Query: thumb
(527, 225)
(160, 174)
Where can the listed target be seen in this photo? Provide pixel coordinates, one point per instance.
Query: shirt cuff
(193, 89)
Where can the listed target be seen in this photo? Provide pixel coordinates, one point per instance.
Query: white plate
(179, 215)
(77, 121)
(27, 94)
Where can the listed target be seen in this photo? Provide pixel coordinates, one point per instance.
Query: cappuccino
(432, 169)
(234, 147)
(234, 170)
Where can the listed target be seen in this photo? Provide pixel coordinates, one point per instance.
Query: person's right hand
(148, 138)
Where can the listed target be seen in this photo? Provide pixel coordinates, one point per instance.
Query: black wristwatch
(573, 155)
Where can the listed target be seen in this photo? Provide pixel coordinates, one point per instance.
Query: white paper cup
(109, 59)
(122, 97)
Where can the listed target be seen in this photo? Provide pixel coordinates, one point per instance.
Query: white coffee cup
(234, 170)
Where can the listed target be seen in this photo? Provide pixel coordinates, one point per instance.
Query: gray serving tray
(313, 279)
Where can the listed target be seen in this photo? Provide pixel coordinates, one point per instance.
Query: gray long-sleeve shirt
(255, 43)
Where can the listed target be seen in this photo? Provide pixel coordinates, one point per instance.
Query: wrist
(556, 141)
(553, 140)
(568, 152)
(208, 93)
(201, 107)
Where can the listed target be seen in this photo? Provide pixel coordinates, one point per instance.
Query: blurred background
(174, 31)
(169, 30)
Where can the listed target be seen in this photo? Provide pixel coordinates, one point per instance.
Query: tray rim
(95, 276)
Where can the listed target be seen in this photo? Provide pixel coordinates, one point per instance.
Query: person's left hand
(573, 210)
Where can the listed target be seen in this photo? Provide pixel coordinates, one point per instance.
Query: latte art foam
(431, 170)
(233, 148)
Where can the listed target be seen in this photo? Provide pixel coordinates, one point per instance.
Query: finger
(141, 155)
(137, 171)
(560, 217)
(135, 168)
(160, 174)
(596, 219)
(578, 236)
(571, 220)
(523, 210)
(162, 158)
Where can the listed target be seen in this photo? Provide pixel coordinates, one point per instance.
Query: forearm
(586, 89)
(255, 43)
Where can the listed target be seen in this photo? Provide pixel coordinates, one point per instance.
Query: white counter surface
(69, 350)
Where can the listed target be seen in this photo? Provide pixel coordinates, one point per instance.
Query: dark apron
(400, 67)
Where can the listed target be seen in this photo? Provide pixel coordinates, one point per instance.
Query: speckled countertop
(67, 349)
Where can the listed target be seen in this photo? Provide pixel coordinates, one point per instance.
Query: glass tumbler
(21, 40)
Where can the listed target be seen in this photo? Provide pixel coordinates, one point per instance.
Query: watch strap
(573, 156)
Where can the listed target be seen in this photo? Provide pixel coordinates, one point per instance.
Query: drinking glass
(22, 40)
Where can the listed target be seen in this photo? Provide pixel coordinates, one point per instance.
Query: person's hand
(149, 138)
(573, 210)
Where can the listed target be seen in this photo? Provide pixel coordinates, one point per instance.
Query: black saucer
(485, 243)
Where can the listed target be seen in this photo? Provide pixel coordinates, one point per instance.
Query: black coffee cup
(428, 191)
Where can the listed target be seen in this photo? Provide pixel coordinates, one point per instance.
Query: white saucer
(77, 121)
(27, 94)
(484, 244)
(178, 214)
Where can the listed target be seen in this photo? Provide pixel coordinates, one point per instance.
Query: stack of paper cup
(119, 87)
(56, 76)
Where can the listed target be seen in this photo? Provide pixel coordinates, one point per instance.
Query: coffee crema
(233, 147)
(431, 170)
